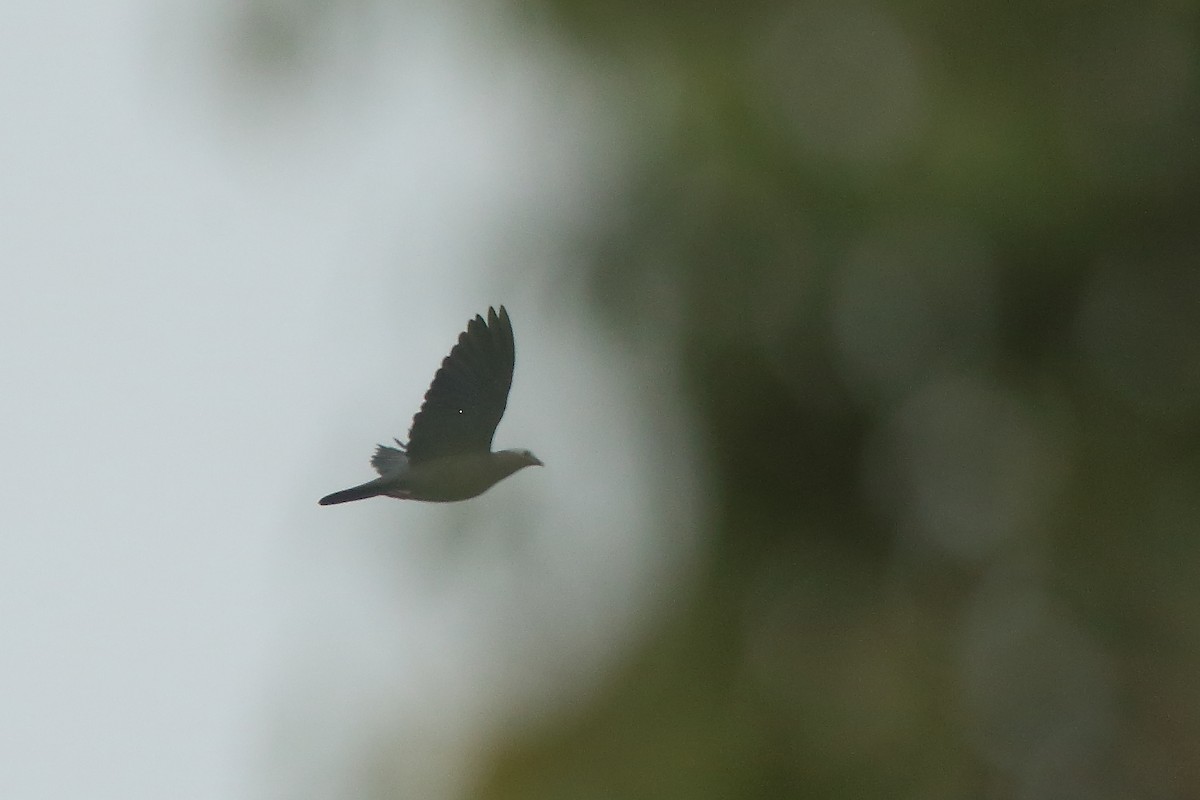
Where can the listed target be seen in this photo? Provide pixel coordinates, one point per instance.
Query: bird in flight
(449, 452)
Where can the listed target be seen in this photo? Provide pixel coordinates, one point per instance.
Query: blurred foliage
(936, 270)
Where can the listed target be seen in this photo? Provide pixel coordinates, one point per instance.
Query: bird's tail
(370, 489)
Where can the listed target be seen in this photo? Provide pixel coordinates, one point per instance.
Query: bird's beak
(535, 461)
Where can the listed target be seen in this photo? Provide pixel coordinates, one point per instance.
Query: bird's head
(529, 459)
(518, 459)
(506, 462)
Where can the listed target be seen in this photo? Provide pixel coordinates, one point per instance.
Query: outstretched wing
(467, 398)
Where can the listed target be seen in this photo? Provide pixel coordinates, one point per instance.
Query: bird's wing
(467, 398)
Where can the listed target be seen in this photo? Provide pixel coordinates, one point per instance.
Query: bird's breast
(445, 480)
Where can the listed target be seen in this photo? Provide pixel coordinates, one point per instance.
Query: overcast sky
(222, 287)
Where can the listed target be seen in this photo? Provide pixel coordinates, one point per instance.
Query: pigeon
(449, 455)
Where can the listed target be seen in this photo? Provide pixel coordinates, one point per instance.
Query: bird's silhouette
(449, 455)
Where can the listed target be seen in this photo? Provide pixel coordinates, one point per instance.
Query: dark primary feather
(469, 392)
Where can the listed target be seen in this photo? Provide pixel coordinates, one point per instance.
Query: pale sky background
(221, 289)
